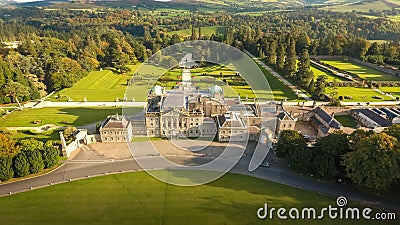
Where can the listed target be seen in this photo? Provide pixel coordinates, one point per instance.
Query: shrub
(21, 165)
(6, 171)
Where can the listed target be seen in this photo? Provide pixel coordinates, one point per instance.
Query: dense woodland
(59, 47)
(367, 159)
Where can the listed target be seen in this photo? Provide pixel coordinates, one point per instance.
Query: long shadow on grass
(88, 115)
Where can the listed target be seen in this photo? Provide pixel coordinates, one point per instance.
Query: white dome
(215, 89)
(157, 90)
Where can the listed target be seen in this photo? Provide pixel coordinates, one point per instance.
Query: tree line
(58, 48)
(370, 160)
(24, 157)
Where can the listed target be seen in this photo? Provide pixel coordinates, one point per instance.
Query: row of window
(113, 133)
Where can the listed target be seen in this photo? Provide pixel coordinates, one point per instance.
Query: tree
(6, 171)
(35, 160)
(304, 73)
(194, 35)
(50, 155)
(286, 139)
(272, 53)
(293, 146)
(280, 57)
(69, 133)
(319, 89)
(31, 145)
(302, 42)
(21, 165)
(375, 162)
(394, 131)
(16, 90)
(299, 156)
(200, 34)
(8, 147)
(327, 161)
(290, 62)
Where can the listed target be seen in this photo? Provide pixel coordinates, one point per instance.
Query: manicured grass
(208, 31)
(331, 78)
(97, 86)
(361, 94)
(42, 136)
(214, 74)
(362, 71)
(58, 116)
(279, 89)
(346, 121)
(138, 198)
(395, 91)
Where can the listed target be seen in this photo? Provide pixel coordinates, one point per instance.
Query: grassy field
(58, 116)
(361, 94)
(279, 89)
(346, 121)
(362, 71)
(41, 136)
(204, 30)
(137, 198)
(395, 91)
(97, 86)
(362, 6)
(331, 78)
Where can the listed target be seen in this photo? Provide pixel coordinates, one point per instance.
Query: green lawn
(361, 94)
(362, 71)
(331, 78)
(97, 86)
(137, 198)
(208, 31)
(395, 91)
(346, 121)
(279, 89)
(58, 116)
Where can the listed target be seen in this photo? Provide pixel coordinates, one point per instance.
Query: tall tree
(50, 155)
(272, 53)
(6, 171)
(329, 149)
(319, 89)
(21, 164)
(290, 61)
(304, 73)
(35, 160)
(280, 57)
(375, 162)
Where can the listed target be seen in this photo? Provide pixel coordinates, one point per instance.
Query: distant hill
(233, 5)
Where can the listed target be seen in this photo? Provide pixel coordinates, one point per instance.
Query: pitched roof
(374, 116)
(327, 118)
